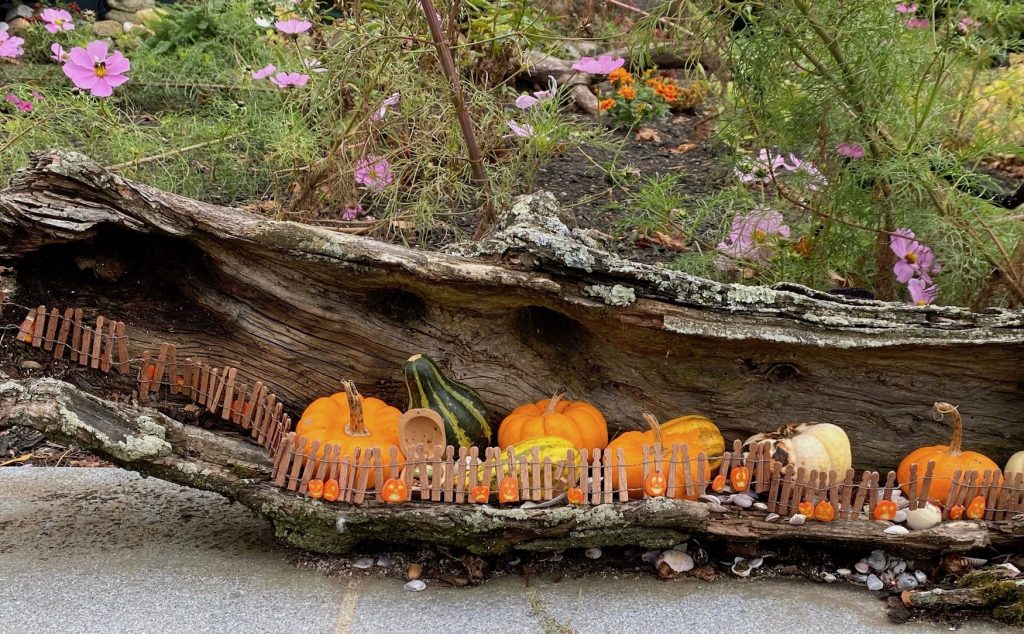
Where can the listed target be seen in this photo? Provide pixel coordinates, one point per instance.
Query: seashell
(896, 530)
(650, 556)
(528, 505)
(710, 499)
(741, 568)
(672, 562)
(683, 547)
(514, 562)
(756, 563)
(742, 500)
(901, 516)
(924, 517)
(1014, 570)
(844, 572)
(383, 561)
(976, 561)
(829, 577)
(771, 517)
(921, 577)
(874, 583)
(761, 506)
(863, 567)
(902, 502)
(906, 582)
(593, 553)
(877, 560)
(364, 563)
(798, 520)
(415, 585)
(717, 508)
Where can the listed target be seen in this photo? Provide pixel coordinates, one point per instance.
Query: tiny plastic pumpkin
(656, 484)
(885, 510)
(315, 489)
(956, 512)
(948, 459)
(718, 484)
(824, 511)
(574, 495)
(480, 494)
(332, 490)
(806, 509)
(508, 490)
(578, 422)
(739, 478)
(976, 509)
(394, 491)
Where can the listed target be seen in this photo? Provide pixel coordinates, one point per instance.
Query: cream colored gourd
(818, 446)
(1015, 464)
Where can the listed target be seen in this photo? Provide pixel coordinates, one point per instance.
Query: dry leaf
(683, 148)
(675, 243)
(648, 134)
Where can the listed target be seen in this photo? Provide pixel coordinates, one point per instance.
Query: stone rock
(120, 16)
(150, 16)
(874, 583)
(19, 11)
(17, 25)
(131, 6)
(107, 28)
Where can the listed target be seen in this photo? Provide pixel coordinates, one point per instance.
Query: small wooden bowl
(420, 426)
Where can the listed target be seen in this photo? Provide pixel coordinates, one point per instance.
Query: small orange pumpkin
(885, 510)
(956, 512)
(806, 509)
(739, 478)
(332, 490)
(574, 495)
(480, 494)
(394, 491)
(976, 509)
(632, 443)
(315, 489)
(508, 490)
(824, 511)
(656, 484)
(578, 422)
(718, 484)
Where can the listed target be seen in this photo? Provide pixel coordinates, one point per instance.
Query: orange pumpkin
(578, 422)
(315, 489)
(885, 510)
(718, 484)
(394, 491)
(480, 494)
(806, 509)
(956, 512)
(332, 490)
(948, 459)
(976, 509)
(349, 420)
(824, 511)
(656, 484)
(574, 495)
(632, 443)
(508, 490)
(739, 478)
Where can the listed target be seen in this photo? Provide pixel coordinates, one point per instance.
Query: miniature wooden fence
(102, 346)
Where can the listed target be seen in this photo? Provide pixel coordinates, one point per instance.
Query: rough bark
(540, 305)
(147, 441)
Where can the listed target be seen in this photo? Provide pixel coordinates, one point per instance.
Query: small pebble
(863, 567)
(901, 516)
(798, 520)
(859, 578)
(683, 547)
(761, 506)
(383, 561)
(896, 530)
(844, 572)
(874, 583)
(921, 577)
(906, 582)
(898, 566)
(650, 556)
(593, 553)
(364, 563)
(771, 517)
(829, 577)
(717, 508)
(877, 560)
(414, 572)
(31, 365)
(415, 585)
(743, 500)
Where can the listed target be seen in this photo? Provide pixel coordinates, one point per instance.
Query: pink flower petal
(118, 64)
(102, 88)
(97, 50)
(79, 56)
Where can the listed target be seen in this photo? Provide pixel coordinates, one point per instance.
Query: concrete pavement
(104, 550)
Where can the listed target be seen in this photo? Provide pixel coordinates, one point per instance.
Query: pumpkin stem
(958, 425)
(356, 425)
(655, 427)
(553, 401)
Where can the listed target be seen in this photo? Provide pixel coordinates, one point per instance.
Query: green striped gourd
(461, 408)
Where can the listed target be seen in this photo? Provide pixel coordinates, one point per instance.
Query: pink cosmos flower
(524, 130)
(389, 101)
(10, 46)
(352, 212)
(17, 102)
(906, 8)
(917, 23)
(57, 20)
(92, 69)
(373, 172)
(603, 65)
(964, 26)
(58, 54)
(293, 27)
(264, 72)
(915, 259)
(751, 237)
(850, 150)
(922, 291)
(526, 101)
(289, 80)
(761, 168)
(816, 178)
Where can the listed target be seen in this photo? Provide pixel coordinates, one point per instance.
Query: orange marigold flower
(620, 75)
(627, 93)
(605, 104)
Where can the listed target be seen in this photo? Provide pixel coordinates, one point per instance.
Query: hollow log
(534, 306)
(151, 443)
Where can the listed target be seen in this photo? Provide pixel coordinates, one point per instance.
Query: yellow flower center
(921, 302)
(759, 235)
(911, 257)
(100, 68)
(58, 22)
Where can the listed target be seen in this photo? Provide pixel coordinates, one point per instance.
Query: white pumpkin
(819, 446)
(1015, 464)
